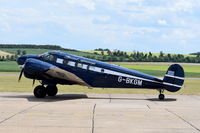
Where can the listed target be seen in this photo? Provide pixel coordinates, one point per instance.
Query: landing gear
(161, 96)
(51, 90)
(41, 91)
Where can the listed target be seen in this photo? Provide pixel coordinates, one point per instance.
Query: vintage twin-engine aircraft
(60, 68)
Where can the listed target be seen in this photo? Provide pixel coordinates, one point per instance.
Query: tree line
(34, 46)
(13, 57)
(106, 54)
(121, 56)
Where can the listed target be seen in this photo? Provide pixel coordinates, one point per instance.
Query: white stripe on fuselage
(123, 75)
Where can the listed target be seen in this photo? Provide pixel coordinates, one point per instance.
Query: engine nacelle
(35, 69)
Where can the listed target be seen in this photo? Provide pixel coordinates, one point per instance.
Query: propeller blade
(20, 76)
(33, 82)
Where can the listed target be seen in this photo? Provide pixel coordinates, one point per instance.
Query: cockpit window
(49, 57)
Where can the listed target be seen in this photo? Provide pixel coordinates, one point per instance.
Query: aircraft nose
(21, 60)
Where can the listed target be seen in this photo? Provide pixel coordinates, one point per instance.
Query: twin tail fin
(174, 78)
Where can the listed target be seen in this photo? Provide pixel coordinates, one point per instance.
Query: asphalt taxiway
(98, 113)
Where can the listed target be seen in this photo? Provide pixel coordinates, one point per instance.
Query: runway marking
(93, 117)
(19, 113)
(183, 119)
(110, 98)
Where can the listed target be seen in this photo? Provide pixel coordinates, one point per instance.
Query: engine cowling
(35, 69)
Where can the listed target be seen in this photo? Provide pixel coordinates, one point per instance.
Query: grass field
(9, 66)
(160, 69)
(156, 69)
(3, 53)
(9, 83)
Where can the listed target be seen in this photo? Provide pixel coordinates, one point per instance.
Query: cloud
(183, 6)
(5, 27)
(137, 24)
(162, 22)
(89, 4)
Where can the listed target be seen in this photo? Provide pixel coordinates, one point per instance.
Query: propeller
(20, 76)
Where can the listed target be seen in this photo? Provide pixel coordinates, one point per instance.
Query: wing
(58, 73)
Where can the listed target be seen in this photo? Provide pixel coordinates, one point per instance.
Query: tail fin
(174, 78)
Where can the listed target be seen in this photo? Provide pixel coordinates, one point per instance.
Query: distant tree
(96, 53)
(24, 52)
(18, 52)
(102, 52)
(12, 58)
(161, 54)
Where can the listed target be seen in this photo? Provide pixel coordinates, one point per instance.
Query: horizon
(90, 50)
(126, 25)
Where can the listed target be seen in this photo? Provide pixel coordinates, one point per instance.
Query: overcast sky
(171, 26)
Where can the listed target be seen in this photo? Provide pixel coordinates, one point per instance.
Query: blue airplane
(54, 68)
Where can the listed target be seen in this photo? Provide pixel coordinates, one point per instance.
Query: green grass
(187, 68)
(156, 70)
(9, 66)
(160, 70)
(9, 83)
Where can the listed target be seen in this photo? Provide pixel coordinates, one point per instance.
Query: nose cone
(22, 59)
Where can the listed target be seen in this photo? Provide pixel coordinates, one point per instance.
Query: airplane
(55, 67)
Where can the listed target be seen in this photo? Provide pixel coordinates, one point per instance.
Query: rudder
(174, 78)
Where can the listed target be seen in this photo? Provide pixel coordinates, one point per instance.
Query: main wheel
(51, 90)
(161, 96)
(40, 91)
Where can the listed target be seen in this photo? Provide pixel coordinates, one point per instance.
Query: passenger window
(80, 65)
(71, 63)
(92, 68)
(65, 62)
(96, 69)
(59, 61)
(85, 66)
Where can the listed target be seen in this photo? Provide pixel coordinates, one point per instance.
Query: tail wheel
(161, 96)
(40, 91)
(51, 90)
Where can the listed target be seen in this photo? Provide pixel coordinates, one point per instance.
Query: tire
(40, 92)
(161, 97)
(51, 90)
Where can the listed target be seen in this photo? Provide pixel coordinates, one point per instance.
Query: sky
(171, 26)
